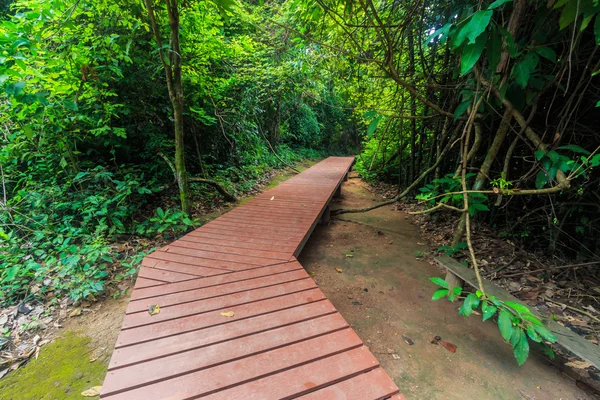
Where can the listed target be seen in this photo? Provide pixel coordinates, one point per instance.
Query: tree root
(228, 196)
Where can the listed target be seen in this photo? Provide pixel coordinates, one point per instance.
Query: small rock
(23, 309)
(395, 356)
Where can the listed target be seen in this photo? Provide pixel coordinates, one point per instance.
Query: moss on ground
(62, 371)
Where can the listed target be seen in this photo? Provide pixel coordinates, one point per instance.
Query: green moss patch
(62, 371)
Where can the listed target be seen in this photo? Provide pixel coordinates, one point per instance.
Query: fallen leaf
(356, 303)
(96, 354)
(153, 309)
(273, 198)
(92, 392)
(349, 255)
(339, 270)
(395, 356)
(408, 340)
(578, 364)
(75, 313)
(228, 314)
(448, 346)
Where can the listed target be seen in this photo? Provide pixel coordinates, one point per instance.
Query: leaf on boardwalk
(153, 309)
(339, 270)
(228, 314)
(92, 392)
(273, 198)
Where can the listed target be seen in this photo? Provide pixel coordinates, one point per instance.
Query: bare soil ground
(385, 294)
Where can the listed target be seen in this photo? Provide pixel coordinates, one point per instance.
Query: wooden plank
(216, 280)
(279, 241)
(142, 283)
(165, 276)
(372, 385)
(291, 383)
(183, 268)
(206, 357)
(169, 313)
(205, 382)
(237, 245)
(565, 337)
(214, 291)
(197, 261)
(281, 225)
(274, 255)
(265, 236)
(152, 332)
(222, 257)
(205, 337)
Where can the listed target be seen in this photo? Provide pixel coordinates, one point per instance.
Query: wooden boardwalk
(285, 339)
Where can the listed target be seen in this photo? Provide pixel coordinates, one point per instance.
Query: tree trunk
(172, 65)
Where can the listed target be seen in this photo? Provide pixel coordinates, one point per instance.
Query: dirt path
(385, 294)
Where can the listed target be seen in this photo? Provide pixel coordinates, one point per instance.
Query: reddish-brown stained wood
(165, 276)
(273, 255)
(216, 280)
(309, 377)
(238, 244)
(215, 291)
(372, 385)
(151, 332)
(283, 339)
(211, 255)
(176, 311)
(183, 268)
(142, 283)
(195, 360)
(216, 334)
(209, 381)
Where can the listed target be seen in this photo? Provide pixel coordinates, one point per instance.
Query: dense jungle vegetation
(110, 110)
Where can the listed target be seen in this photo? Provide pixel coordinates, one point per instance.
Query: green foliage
(84, 112)
(516, 323)
(446, 190)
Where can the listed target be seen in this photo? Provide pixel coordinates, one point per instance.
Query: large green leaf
(505, 324)
(521, 72)
(521, 350)
(489, 312)
(477, 25)
(540, 179)
(439, 294)
(520, 308)
(461, 108)
(575, 148)
(497, 4)
(471, 54)
(547, 53)
(439, 281)
(597, 30)
(545, 333)
(471, 302)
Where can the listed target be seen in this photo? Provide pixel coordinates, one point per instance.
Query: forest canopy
(492, 105)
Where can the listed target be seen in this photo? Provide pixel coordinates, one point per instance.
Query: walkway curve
(239, 316)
